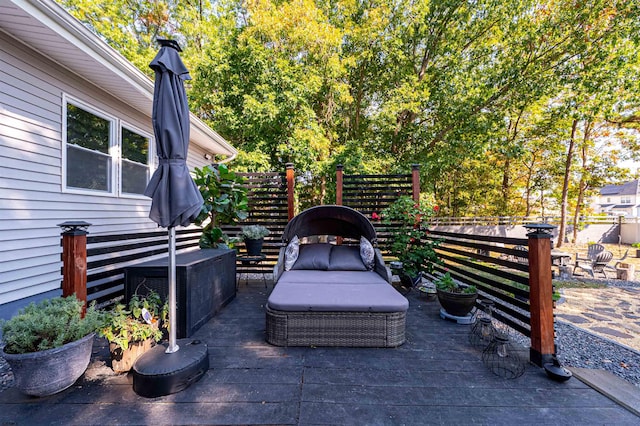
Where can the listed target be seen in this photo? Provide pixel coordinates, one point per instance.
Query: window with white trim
(104, 155)
(134, 173)
(89, 156)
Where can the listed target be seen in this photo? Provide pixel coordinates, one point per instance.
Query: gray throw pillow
(346, 258)
(367, 253)
(313, 256)
(291, 253)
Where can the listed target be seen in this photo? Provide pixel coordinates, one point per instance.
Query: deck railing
(517, 280)
(95, 263)
(520, 220)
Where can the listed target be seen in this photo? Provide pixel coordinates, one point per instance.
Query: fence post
(290, 190)
(541, 293)
(74, 260)
(415, 181)
(339, 169)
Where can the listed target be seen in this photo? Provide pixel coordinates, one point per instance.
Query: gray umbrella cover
(176, 199)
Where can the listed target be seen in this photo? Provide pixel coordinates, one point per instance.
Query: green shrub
(254, 232)
(123, 327)
(407, 243)
(225, 202)
(446, 283)
(49, 324)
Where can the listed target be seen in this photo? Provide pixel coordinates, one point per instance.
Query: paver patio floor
(434, 378)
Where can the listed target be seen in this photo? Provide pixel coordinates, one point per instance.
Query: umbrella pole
(173, 346)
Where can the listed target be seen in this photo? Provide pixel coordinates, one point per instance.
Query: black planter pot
(457, 304)
(254, 247)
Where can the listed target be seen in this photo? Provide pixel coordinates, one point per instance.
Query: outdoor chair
(618, 261)
(592, 251)
(598, 264)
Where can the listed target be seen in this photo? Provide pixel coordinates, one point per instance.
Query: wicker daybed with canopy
(333, 294)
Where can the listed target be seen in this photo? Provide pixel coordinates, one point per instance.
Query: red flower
(374, 216)
(436, 208)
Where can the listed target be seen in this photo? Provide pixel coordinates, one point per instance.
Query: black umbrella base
(157, 373)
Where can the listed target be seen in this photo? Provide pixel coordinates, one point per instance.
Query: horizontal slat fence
(370, 194)
(269, 204)
(525, 220)
(495, 267)
(108, 255)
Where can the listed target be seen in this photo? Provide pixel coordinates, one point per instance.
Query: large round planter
(47, 372)
(122, 360)
(254, 247)
(457, 304)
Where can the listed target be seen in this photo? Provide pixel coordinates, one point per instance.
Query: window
(626, 199)
(135, 162)
(89, 162)
(100, 159)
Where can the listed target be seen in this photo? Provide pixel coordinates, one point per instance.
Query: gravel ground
(579, 348)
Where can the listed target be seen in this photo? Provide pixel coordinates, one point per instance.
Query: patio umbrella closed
(175, 201)
(175, 196)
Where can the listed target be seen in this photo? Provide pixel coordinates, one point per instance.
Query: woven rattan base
(349, 329)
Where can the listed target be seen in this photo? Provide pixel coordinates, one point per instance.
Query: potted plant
(225, 203)
(131, 332)
(253, 237)
(637, 247)
(455, 298)
(407, 245)
(48, 345)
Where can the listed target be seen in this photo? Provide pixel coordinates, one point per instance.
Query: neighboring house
(619, 200)
(76, 143)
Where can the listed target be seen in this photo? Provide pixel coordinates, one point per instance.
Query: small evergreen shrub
(49, 324)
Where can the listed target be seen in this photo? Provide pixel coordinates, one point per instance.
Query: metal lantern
(483, 332)
(502, 358)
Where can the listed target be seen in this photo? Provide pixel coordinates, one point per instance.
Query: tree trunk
(565, 185)
(582, 186)
(505, 187)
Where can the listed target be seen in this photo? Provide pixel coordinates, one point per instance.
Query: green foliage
(49, 324)
(124, 326)
(415, 253)
(482, 93)
(254, 232)
(225, 202)
(446, 283)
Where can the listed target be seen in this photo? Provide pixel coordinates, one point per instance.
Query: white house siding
(31, 199)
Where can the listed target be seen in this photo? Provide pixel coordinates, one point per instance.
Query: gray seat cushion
(318, 292)
(306, 277)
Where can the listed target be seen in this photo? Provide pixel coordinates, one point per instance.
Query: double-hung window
(134, 173)
(103, 155)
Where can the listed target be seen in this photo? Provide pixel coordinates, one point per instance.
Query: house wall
(31, 199)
